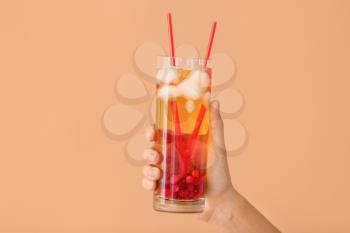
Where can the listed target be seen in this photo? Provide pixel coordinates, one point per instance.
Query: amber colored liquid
(184, 156)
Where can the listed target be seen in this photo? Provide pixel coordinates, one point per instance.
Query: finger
(150, 133)
(148, 184)
(151, 156)
(217, 128)
(151, 172)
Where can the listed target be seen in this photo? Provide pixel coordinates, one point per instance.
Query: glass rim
(182, 58)
(183, 62)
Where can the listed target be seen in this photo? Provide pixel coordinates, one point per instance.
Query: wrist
(224, 210)
(220, 209)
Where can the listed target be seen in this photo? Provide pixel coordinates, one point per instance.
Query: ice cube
(201, 77)
(165, 92)
(190, 88)
(168, 75)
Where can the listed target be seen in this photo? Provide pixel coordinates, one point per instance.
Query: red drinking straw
(183, 161)
(172, 53)
(171, 39)
(210, 44)
(202, 110)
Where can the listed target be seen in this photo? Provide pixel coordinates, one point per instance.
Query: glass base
(178, 206)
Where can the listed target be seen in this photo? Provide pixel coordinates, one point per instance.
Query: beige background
(58, 64)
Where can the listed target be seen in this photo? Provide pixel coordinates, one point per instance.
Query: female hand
(219, 180)
(224, 206)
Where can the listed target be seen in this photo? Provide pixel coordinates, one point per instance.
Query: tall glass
(182, 133)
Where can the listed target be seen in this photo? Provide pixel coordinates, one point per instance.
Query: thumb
(219, 179)
(217, 129)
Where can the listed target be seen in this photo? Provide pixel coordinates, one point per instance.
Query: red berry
(189, 179)
(190, 187)
(175, 188)
(195, 173)
(174, 179)
(183, 194)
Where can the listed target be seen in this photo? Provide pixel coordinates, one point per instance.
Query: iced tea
(182, 123)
